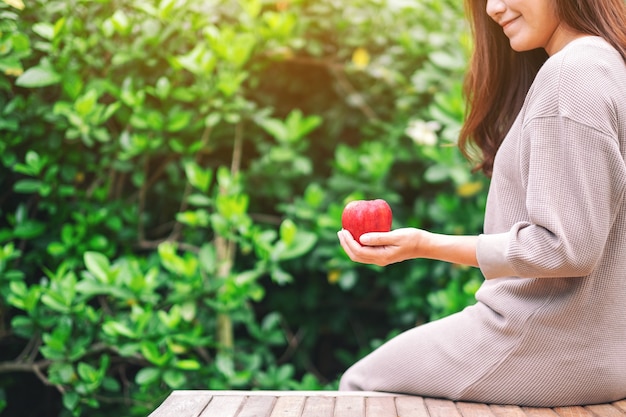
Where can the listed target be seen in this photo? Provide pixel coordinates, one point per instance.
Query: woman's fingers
(369, 254)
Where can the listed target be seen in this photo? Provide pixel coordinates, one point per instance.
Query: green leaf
(29, 229)
(229, 82)
(276, 128)
(199, 200)
(170, 319)
(166, 7)
(281, 277)
(56, 302)
(300, 244)
(188, 364)
(198, 177)
(437, 173)
(171, 261)
(200, 60)
(56, 249)
(23, 297)
(147, 376)
(208, 258)
(121, 22)
(151, 352)
(115, 328)
(348, 280)
(299, 126)
(38, 76)
(188, 311)
(212, 119)
(178, 121)
(252, 7)
(198, 218)
(33, 166)
(23, 326)
(446, 60)
(70, 400)
(174, 379)
(314, 195)
(163, 88)
(86, 103)
(225, 364)
(61, 373)
(87, 372)
(45, 30)
(288, 231)
(27, 186)
(111, 384)
(98, 264)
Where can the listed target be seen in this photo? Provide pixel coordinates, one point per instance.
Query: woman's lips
(507, 23)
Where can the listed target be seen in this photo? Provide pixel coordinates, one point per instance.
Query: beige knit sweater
(549, 325)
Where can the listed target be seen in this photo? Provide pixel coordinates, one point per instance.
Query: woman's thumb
(372, 239)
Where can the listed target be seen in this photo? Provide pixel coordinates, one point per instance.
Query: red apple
(363, 216)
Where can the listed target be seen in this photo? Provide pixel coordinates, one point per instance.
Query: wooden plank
(277, 394)
(257, 406)
(288, 406)
(605, 410)
(223, 406)
(539, 412)
(380, 407)
(468, 409)
(573, 411)
(318, 407)
(411, 407)
(441, 408)
(349, 407)
(506, 410)
(189, 404)
(229, 403)
(621, 405)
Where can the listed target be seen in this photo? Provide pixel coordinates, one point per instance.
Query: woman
(547, 117)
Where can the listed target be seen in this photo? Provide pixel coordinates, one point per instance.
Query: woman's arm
(409, 243)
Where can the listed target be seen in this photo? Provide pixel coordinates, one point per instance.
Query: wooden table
(353, 404)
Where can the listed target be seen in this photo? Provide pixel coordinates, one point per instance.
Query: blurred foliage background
(172, 176)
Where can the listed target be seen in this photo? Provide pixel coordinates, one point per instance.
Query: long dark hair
(499, 77)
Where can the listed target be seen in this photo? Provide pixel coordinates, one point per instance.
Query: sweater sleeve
(575, 184)
(562, 176)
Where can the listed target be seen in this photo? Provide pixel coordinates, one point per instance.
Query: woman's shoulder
(584, 80)
(585, 63)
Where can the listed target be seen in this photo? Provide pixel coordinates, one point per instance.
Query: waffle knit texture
(549, 324)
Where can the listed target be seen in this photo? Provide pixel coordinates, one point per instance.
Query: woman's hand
(384, 248)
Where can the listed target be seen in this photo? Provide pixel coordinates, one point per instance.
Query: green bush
(173, 175)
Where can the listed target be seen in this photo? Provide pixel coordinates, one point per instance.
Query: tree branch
(178, 226)
(348, 89)
(34, 367)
